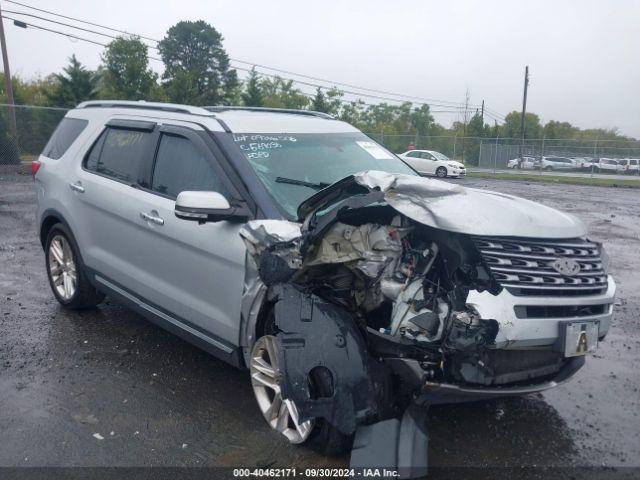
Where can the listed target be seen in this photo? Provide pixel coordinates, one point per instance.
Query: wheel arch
(49, 218)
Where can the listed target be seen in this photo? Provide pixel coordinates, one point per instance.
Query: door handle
(151, 218)
(77, 187)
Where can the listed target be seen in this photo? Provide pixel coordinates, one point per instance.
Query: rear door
(193, 271)
(413, 158)
(430, 162)
(106, 190)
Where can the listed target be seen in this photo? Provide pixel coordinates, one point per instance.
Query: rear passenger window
(119, 153)
(181, 166)
(64, 135)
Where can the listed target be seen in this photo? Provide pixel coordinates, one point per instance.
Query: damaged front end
(374, 286)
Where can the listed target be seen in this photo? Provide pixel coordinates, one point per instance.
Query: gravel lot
(156, 400)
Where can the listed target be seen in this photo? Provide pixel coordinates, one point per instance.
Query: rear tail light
(35, 166)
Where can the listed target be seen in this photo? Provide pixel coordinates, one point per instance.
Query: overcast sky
(584, 56)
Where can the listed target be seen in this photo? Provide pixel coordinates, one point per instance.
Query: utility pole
(482, 114)
(524, 110)
(7, 78)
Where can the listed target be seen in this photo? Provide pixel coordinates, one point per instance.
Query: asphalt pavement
(106, 388)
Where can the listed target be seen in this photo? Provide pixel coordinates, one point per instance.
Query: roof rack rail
(165, 107)
(310, 113)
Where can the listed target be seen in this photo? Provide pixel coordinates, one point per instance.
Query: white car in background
(527, 163)
(609, 165)
(588, 163)
(630, 166)
(429, 162)
(553, 162)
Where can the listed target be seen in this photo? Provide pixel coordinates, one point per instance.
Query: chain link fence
(34, 126)
(502, 155)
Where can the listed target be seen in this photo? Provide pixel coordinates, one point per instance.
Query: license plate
(580, 338)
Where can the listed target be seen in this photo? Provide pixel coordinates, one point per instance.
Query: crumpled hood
(451, 207)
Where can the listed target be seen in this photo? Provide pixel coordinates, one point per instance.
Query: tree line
(197, 71)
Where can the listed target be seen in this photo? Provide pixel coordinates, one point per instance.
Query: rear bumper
(517, 332)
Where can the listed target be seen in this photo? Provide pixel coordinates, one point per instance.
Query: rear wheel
(65, 270)
(282, 414)
(548, 168)
(441, 172)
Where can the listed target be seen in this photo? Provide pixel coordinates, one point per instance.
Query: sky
(583, 55)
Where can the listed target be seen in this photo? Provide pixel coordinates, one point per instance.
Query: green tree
(330, 102)
(421, 120)
(319, 101)
(125, 72)
(511, 127)
(196, 65)
(562, 130)
(279, 93)
(252, 95)
(74, 86)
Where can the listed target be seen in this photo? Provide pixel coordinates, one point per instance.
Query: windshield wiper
(302, 183)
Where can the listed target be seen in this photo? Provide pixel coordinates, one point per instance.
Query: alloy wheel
(281, 414)
(62, 267)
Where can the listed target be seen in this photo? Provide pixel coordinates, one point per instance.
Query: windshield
(294, 167)
(440, 156)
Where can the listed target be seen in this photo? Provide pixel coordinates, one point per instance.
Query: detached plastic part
(394, 445)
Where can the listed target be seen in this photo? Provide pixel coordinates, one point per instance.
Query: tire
(65, 271)
(548, 168)
(322, 436)
(441, 172)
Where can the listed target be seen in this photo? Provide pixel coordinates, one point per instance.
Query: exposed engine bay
(405, 284)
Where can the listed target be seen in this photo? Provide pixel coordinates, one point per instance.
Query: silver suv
(291, 244)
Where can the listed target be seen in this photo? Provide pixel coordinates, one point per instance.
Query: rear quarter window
(67, 131)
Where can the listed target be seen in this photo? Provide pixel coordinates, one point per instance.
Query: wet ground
(107, 388)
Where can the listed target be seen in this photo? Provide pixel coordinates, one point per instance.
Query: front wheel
(282, 414)
(441, 172)
(65, 270)
(548, 168)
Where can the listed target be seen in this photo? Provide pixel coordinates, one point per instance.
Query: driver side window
(181, 166)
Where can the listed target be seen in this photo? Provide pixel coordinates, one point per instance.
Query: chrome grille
(525, 265)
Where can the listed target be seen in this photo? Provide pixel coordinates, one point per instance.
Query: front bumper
(518, 333)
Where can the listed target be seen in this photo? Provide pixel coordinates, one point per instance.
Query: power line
(59, 23)
(300, 82)
(78, 20)
(423, 100)
(69, 35)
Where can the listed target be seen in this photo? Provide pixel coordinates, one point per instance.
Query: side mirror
(208, 207)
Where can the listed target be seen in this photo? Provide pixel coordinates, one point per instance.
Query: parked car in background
(587, 163)
(608, 165)
(429, 162)
(630, 166)
(528, 163)
(553, 162)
